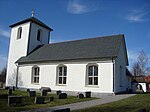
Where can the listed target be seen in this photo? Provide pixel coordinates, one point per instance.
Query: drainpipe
(113, 61)
(17, 72)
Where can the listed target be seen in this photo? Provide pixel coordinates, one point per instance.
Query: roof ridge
(33, 19)
(85, 39)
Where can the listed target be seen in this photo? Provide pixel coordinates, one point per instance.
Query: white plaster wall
(47, 75)
(121, 60)
(17, 49)
(25, 78)
(33, 36)
(135, 86)
(143, 86)
(76, 77)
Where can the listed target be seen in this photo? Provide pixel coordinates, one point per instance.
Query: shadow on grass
(136, 103)
(121, 93)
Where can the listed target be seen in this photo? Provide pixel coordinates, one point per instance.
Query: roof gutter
(17, 74)
(61, 60)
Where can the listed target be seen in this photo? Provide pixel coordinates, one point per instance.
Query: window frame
(93, 76)
(19, 33)
(39, 35)
(61, 75)
(35, 75)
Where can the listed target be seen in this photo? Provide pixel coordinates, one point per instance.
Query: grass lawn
(28, 102)
(131, 104)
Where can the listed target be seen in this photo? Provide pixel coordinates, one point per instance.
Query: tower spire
(33, 13)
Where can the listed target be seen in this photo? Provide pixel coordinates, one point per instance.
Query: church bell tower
(26, 36)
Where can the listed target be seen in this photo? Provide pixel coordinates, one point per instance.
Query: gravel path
(74, 106)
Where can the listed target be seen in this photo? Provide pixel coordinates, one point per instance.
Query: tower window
(19, 33)
(39, 35)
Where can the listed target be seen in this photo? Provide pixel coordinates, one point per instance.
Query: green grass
(28, 102)
(131, 104)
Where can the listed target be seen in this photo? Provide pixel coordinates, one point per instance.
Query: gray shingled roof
(99, 47)
(33, 19)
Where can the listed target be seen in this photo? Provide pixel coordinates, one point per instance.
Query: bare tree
(12, 79)
(140, 68)
(147, 71)
(136, 70)
(143, 62)
(4, 71)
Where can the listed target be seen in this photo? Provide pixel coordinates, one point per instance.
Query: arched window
(39, 35)
(92, 74)
(35, 74)
(19, 33)
(62, 74)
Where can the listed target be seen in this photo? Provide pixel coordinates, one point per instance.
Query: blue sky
(77, 19)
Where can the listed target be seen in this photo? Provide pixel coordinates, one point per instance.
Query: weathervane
(33, 13)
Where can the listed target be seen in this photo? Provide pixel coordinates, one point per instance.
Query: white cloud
(78, 7)
(56, 40)
(3, 61)
(5, 33)
(138, 15)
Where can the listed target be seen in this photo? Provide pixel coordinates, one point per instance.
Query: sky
(78, 19)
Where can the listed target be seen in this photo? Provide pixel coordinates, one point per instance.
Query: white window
(61, 75)
(19, 33)
(92, 74)
(35, 74)
(39, 35)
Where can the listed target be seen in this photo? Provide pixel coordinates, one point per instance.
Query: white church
(93, 64)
